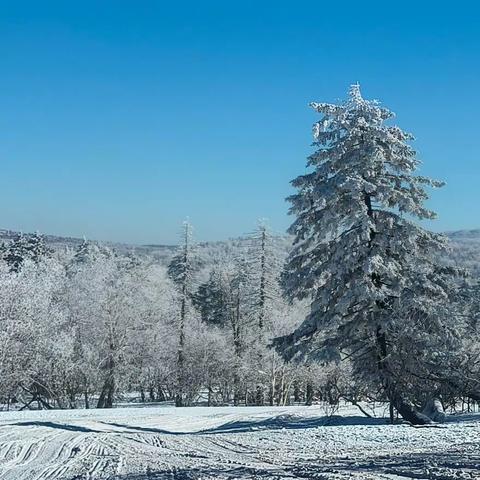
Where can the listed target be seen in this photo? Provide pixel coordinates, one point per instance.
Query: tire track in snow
(119, 445)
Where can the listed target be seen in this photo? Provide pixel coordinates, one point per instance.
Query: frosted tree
(108, 304)
(83, 289)
(87, 252)
(265, 263)
(356, 252)
(224, 301)
(211, 300)
(23, 247)
(181, 271)
(150, 368)
(265, 266)
(31, 322)
(239, 315)
(463, 375)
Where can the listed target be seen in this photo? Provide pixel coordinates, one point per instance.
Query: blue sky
(120, 118)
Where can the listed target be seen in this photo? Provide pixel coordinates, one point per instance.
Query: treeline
(90, 327)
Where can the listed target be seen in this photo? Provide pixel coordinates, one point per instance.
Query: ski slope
(230, 443)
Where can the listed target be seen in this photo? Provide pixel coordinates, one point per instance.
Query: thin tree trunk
(309, 394)
(237, 350)
(87, 404)
(296, 392)
(180, 354)
(180, 393)
(263, 281)
(209, 398)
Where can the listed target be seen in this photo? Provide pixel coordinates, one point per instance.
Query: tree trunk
(403, 407)
(391, 411)
(209, 398)
(309, 394)
(161, 394)
(263, 280)
(179, 397)
(106, 396)
(237, 351)
(236, 389)
(296, 392)
(259, 397)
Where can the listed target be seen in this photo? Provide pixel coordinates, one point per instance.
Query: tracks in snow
(136, 445)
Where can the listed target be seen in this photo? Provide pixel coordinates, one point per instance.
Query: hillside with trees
(358, 302)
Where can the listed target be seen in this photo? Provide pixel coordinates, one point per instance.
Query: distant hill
(465, 247)
(465, 250)
(465, 235)
(160, 252)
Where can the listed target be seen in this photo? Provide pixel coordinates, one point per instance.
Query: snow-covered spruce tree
(88, 252)
(181, 270)
(356, 252)
(211, 300)
(29, 246)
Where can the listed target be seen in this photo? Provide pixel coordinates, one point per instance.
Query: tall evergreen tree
(181, 270)
(265, 268)
(357, 253)
(265, 264)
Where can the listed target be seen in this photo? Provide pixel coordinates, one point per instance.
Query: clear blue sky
(120, 118)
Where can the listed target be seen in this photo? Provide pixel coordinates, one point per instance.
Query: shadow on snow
(281, 422)
(60, 426)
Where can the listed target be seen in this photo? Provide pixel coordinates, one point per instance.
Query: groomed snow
(230, 442)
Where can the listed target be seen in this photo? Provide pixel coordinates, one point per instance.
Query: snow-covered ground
(228, 443)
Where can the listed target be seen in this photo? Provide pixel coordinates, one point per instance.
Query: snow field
(228, 443)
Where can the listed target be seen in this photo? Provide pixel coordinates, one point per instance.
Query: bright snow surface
(232, 442)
